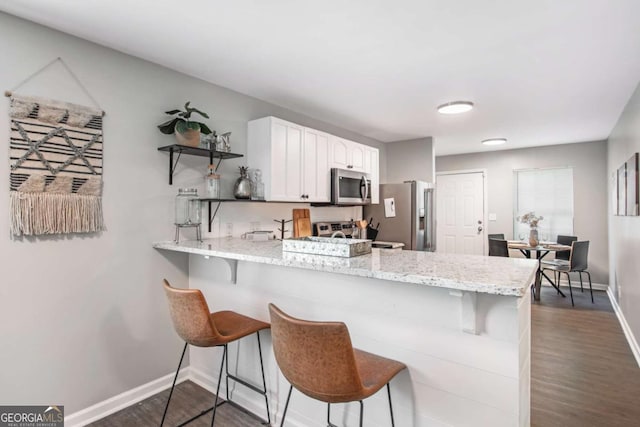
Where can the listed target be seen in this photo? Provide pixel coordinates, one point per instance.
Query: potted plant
(532, 219)
(187, 131)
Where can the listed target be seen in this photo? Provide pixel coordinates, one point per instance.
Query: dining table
(541, 250)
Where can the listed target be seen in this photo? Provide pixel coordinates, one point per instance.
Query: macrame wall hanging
(55, 157)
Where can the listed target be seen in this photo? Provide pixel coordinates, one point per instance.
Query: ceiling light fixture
(455, 107)
(494, 141)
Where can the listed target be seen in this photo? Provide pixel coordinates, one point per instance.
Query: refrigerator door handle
(429, 243)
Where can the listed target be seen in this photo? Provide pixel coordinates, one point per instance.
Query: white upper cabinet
(293, 160)
(315, 166)
(296, 161)
(345, 154)
(372, 167)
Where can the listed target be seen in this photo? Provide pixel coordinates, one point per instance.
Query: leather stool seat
(318, 359)
(196, 325)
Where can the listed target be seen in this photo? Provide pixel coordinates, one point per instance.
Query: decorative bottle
(257, 192)
(242, 188)
(212, 184)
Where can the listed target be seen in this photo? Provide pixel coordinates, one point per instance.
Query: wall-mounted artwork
(632, 185)
(55, 167)
(628, 187)
(622, 190)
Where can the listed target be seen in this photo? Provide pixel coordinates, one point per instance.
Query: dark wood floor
(582, 370)
(583, 374)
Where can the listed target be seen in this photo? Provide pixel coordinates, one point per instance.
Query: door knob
(479, 229)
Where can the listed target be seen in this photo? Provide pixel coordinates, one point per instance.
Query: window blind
(547, 192)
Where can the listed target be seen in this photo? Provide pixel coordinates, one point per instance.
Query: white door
(460, 213)
(357, 157)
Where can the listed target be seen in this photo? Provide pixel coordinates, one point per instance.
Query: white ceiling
(540, 72)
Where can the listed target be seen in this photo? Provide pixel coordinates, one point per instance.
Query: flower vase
(533, 237)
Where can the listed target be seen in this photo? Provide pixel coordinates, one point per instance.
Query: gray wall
(624, 231)
(84, 318)
(589, 162)
(410, 160)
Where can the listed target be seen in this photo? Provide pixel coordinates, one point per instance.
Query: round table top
(543, 246)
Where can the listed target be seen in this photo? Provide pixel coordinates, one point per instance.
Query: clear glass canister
(187, 207)
(212, 184)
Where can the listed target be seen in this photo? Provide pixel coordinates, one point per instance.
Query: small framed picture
(622, 190)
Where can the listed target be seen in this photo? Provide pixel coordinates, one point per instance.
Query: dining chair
(578, 262)
(196, 325)
(498, 248)
(562, 257)
(318, 359)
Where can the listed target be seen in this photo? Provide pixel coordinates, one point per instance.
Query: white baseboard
(576, 284)
(123, 400)
(631, 339)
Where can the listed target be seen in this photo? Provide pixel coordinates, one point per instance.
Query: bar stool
(196, 325)
(317, 358)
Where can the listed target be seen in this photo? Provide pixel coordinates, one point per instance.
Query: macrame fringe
(49, 213)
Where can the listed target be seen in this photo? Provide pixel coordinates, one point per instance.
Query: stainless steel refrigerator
(414, 222)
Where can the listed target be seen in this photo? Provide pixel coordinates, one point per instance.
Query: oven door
(350, 188)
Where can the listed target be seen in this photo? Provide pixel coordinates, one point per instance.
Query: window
(547, 192)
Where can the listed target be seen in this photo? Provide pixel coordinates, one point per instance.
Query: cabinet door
(339, 153)
(315, 166)
(286, 160)
(357, 157)
(372, 167)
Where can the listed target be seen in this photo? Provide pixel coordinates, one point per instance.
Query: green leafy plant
(182, 122)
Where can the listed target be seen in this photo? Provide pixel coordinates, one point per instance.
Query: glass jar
(257, 192)
(212, 184)
(187, 207)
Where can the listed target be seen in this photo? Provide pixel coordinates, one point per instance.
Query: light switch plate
(493, 217)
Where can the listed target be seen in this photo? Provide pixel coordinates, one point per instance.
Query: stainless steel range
(327, 229)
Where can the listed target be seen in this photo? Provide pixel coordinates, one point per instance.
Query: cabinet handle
(349, 166)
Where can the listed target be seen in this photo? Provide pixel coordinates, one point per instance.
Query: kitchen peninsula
(460, 323)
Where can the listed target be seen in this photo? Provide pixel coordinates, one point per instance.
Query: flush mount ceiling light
(455, 107)
(494, 141)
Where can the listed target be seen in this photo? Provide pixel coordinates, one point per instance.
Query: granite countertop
(491, 275)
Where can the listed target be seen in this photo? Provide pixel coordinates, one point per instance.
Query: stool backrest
(498, 248)
(191, 317)
(579, 258)
(317, 358)
(565, 240)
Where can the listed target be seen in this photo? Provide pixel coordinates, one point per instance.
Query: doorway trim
(485, 204)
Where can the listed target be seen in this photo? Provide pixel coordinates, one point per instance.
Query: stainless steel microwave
(350, 188)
